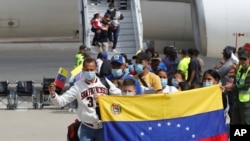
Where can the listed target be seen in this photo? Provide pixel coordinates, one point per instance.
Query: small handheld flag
(77, 72)
(61, 78)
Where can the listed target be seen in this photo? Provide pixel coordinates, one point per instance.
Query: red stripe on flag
(219, 137)
(59, 83)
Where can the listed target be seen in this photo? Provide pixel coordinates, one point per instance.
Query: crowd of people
(106, 28)
(148, 73)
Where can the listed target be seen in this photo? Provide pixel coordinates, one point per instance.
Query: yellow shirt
(152, 80)
(183, 66)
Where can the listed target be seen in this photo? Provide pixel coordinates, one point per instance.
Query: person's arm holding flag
(66, 98)
(60, 83)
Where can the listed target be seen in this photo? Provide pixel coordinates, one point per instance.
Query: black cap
(82, 47)
(184, 51)
(142, 56)
(244, 54)
(156, 56)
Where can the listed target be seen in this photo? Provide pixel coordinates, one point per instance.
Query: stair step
(123, 44)
(122, 32)
(91, 12)
(110, 54)
(128, 38)
(119, 50)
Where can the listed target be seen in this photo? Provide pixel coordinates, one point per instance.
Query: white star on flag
(159, 124)
(178, 125)
(150, 128)
(168, 123)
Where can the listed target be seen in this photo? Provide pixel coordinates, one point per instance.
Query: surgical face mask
(111, 9)
(117, 72)
(205, 84)
(174, 82)
(131, 68)
(164, 82)
(139, 68)
(89, 75)
(126, 70)
(128, 93)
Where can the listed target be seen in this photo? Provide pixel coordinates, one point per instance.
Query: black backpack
(72, 134)
(105, 83)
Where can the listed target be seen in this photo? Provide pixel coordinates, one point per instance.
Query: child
(128, 87)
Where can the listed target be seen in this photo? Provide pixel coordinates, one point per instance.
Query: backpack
(105, 83)
(114, 24)
(72, 134)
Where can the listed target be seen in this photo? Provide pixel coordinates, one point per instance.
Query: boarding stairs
(130, 36)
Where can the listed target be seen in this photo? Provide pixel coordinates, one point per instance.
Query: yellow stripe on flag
(161, 106)
(63, 72)
(77, 70)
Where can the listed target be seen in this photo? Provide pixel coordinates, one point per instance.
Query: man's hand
(52, 89)
(96, 96)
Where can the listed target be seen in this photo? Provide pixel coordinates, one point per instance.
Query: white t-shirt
(99, 65)
(169, 89)
(235, 58)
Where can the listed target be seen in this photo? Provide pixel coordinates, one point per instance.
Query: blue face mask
(89, 75)
(139, 68)
(164, 82)
(175, 83)
(205, 84)
(126, 71)
(131, 68)
(117, 73)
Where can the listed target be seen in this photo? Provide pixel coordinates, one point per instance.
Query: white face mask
(111, 9)
(128, 93)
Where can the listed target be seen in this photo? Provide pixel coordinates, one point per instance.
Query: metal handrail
(86, 24)
(138, 24)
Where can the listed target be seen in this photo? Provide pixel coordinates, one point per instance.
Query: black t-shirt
(194, 65)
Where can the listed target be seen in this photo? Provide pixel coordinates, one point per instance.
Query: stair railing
(137, 22)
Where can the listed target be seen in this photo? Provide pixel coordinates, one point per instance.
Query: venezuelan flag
(194, 115)
(77, 72)
(61, 78)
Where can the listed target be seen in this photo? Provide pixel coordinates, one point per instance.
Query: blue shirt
(127, 76)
